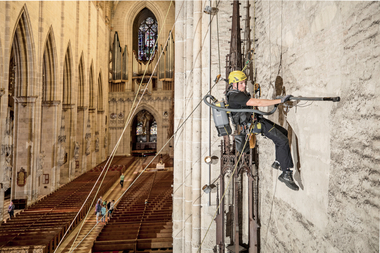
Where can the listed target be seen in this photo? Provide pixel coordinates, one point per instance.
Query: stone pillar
(94, 134)
(179, 175)
(48, 144)
(112, 124)
(80, 138)
(196, 126)
(24, 150)
(2, 92)
(188, 133)
(67, 170)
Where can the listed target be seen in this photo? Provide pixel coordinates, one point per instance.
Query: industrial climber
(238, 98)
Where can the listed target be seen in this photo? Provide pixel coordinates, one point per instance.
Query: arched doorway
(144, 133)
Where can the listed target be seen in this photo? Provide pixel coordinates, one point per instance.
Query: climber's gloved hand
(286, 98)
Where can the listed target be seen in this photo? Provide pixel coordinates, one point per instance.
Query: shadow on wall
(282, 112)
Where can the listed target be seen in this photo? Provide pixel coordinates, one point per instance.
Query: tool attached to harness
(221, 121)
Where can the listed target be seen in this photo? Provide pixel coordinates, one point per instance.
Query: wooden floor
(43, 224)
(143, 219)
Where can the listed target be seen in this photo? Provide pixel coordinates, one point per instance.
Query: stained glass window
(153, 128)
(147, 37)
(139, 129)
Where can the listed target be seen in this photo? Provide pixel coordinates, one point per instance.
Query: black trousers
(279, 136)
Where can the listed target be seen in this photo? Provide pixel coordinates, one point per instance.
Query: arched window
(153, 128)
(80, 94)
(48, 71)
(139, 129)
(67, 79)
(91, 90)
(147, 36)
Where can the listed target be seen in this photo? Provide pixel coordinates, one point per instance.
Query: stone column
(80, 138)
(94, 134)
(2, 92)
(112, 126)
(24, 150)
(68, 169)
(196, 129)
(178, 195)
(48, 144)
(188, 133)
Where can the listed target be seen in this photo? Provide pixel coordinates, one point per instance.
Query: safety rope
(228, 185)
(106, 168)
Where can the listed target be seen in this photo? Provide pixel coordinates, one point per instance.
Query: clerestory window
(147, 36)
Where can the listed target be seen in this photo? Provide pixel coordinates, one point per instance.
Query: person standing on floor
(122, 180)
(11, 209)
(108, 208)
(104, 212)
(98, 210)
(112, 207)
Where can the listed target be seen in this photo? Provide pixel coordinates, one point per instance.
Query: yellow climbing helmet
(236, 76)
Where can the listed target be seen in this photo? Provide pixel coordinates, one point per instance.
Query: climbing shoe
(287, 178)
(276, 165)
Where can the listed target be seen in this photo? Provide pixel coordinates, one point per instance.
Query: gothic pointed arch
(21, 56)
(144, 128)
(80, 90)
(100, 92)
(92, 84)
(145, 31)
(135, 10)
(67, 77)
(49, 83)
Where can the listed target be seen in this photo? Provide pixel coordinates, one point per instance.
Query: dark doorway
(144, 133)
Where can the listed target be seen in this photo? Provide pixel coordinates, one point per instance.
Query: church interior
(107, 144)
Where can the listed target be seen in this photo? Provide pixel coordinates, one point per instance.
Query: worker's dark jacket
(238, 100)
(278, 134)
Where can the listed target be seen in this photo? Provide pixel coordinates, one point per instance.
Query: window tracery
(147, 36)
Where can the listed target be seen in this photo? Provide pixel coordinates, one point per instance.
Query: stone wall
(309, 49)
(325, 49)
